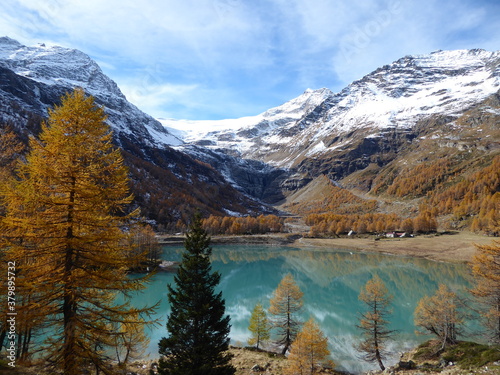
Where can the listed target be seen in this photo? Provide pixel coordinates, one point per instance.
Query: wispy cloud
(222, 58)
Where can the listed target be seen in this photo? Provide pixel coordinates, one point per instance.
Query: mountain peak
(5, 40)
(63, 69)
(8, 45)
(303, 103)
(56, 65)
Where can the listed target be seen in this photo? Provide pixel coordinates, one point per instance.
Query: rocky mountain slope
(409, 114)
(48, 72)
(168, 184)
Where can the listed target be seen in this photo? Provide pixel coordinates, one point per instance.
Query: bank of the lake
(449, 247)
(444, 247)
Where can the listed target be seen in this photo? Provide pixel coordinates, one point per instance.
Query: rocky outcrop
(252, 177)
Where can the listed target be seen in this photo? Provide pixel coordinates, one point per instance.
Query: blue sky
(216, 59)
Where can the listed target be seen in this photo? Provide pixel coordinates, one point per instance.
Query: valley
(397, 141)
(232, 187)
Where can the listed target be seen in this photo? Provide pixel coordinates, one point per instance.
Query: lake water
(331, 281)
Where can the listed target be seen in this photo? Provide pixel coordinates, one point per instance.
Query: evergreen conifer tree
(198, 330)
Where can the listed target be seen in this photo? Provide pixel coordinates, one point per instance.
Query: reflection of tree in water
(413, 277)
(247, 254)
(409, 279)
(238, 253)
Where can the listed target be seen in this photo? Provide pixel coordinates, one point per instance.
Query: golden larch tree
(373, 322)
(309, 351)
(65, 227)
(10, 150)
(145, 247)
(486, 271)
(259, 326)
(286, 302)
(132, 341)
(440, 315)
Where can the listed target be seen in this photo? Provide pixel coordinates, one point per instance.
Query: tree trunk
(26, 342)
(69, 304)
(288, 337)
(375, 338)
(3, 334)
(379, 359)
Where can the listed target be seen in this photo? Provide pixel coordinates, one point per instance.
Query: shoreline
(451, 248)
(457, 247)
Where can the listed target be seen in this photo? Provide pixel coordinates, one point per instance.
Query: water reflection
(331, 281)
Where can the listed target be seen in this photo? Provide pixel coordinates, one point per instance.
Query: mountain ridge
(397, 119)
(366, 137)
(68, 68)
(168, 185)
(372, 101)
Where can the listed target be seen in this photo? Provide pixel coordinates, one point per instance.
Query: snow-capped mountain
(416, 109)
(395, 96)
(168, 185)
(241, 135)
(387, 113)
(64, 68)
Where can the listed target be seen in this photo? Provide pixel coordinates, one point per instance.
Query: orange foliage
(334, 224)
(336, 199)
(242, 225)
(475, 200)
(472, 201)
(418, 180)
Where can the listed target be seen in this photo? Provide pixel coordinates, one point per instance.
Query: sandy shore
(459, 247)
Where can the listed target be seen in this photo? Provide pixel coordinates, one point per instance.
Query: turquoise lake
(331, 281)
